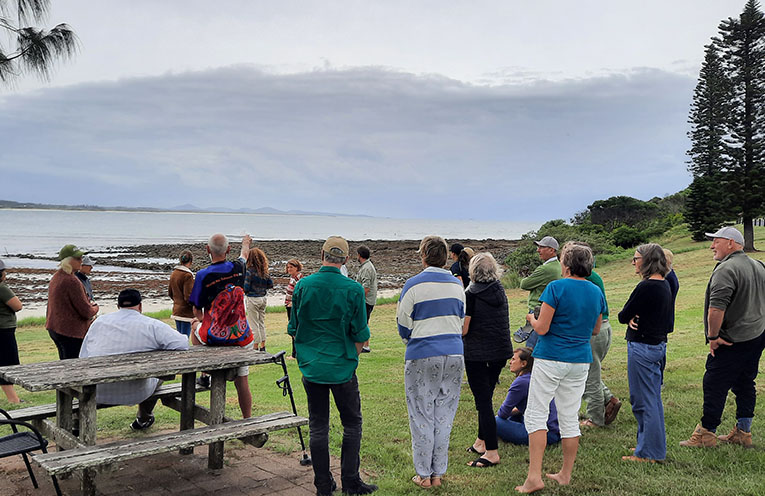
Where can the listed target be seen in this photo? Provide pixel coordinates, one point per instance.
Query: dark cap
(456, 248)
(128, 298)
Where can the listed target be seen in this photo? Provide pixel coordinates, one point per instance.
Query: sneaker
(523, 333)
(701, 438)
(204, 381)
(137, 425)
(612, 408)
(737, 436)
(365, 349)
(360, 488)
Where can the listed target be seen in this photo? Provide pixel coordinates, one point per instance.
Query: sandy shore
(148, 267)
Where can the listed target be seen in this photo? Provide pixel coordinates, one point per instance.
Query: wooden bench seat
(105, 454)
(40, 412)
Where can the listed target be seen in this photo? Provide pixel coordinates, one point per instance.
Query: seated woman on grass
(509, 418)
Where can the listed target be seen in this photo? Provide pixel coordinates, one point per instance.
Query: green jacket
(328, 318)
(538, 281)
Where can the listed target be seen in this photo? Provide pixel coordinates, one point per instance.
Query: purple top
(517, 397)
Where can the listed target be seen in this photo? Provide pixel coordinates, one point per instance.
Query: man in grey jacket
(734, 320)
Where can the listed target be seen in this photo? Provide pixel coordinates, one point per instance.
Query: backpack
(226, 322)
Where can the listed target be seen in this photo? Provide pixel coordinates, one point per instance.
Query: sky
(491, 110)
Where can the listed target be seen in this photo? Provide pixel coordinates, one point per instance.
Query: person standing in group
(457, 269)
(257, 282)
(9, 350)
(510, 426)
(70, 311)
(734, 320)
(179, 290)
(367, 277)
(84, 275)
(648, 313)
(329, 325)
(674, 288)
(294, 270)
(218, 291)
(430, 316)
(536, 282)
(602, 405)
(487, 343)
(571, 312)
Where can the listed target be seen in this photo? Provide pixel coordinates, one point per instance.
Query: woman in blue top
(510, 427)
(571, 313)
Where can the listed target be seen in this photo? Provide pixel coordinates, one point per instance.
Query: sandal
(471, 449)
(483, 461)
(423, 483)
(633, 458)
(435, 481)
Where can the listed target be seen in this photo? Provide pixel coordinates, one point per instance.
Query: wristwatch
(710, 338)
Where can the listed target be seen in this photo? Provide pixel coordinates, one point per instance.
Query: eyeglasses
(635, 259)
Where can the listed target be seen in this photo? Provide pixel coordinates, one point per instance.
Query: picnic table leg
(188, 400)
(88, 435)
(217, 410)
(63, 412)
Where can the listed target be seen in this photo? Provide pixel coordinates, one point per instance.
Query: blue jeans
(644, 374)
(183, 327)
(512, 430)
(348, 403)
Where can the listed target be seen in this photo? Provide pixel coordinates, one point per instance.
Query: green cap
(70, 251)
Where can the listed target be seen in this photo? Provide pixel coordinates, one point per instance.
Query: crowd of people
(453, 322)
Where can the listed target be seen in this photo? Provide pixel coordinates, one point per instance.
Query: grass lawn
(386, 448)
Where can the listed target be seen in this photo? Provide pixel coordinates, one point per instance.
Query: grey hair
(218, 244)
(578, 258)
(483, 268)
(433, 250)
(333, 259)
(66, 265)
(654, 260)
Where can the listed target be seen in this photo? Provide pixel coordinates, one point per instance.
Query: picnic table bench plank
(105, 454)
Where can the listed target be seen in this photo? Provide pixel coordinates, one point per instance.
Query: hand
(634, 322)
(716, 343)
(246, 240)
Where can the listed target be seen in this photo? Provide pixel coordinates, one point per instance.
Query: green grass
(386, 446)
(30, 321)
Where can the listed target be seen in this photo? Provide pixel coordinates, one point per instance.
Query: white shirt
(129, 331)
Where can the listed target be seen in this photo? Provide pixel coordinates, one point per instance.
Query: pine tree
(707, 207)
(742, 45)
(34, 50)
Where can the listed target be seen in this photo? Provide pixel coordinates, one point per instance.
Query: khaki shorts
(241, 371)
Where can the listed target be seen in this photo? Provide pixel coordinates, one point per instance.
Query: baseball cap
(728, 233)
(336, 246)
(128, 298)
(2, 265)
(70, 251)
(86, 260)
(547, 241)
(456, 248)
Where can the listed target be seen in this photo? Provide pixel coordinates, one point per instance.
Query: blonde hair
(669, 256)
(66, 265)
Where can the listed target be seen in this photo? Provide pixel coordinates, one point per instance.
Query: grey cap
(727, 233)
(2, 265)
(86, 260)
(549, 242)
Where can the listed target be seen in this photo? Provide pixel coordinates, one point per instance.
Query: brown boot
(701, 438)
(737, 436)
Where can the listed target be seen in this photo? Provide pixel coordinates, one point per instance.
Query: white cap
(86, 260)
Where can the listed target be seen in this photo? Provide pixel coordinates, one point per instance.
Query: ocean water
(44, 232)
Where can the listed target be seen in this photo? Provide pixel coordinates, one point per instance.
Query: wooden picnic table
(79, 378)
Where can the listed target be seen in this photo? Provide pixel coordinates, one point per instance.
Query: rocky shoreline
(151, 265)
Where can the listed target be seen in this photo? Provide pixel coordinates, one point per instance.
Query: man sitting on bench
(129, 331)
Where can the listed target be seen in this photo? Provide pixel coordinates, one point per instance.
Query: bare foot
(560, 479)
(530, 486)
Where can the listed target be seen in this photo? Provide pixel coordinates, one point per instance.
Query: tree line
(727, 119)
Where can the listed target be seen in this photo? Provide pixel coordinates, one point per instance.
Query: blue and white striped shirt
(430, 314)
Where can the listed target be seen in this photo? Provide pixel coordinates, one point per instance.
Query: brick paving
(247, 471)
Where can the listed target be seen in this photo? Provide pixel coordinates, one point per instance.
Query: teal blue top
(328, 318)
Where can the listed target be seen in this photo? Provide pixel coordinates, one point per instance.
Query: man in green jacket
(329, 324)
(549, 271)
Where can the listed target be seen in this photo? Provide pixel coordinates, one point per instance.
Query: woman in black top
(486, 337)
(648, 313)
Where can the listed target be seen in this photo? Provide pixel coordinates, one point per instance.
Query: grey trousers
(596, 393)
(432, 395)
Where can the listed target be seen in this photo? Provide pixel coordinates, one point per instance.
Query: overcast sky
(507, 110)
